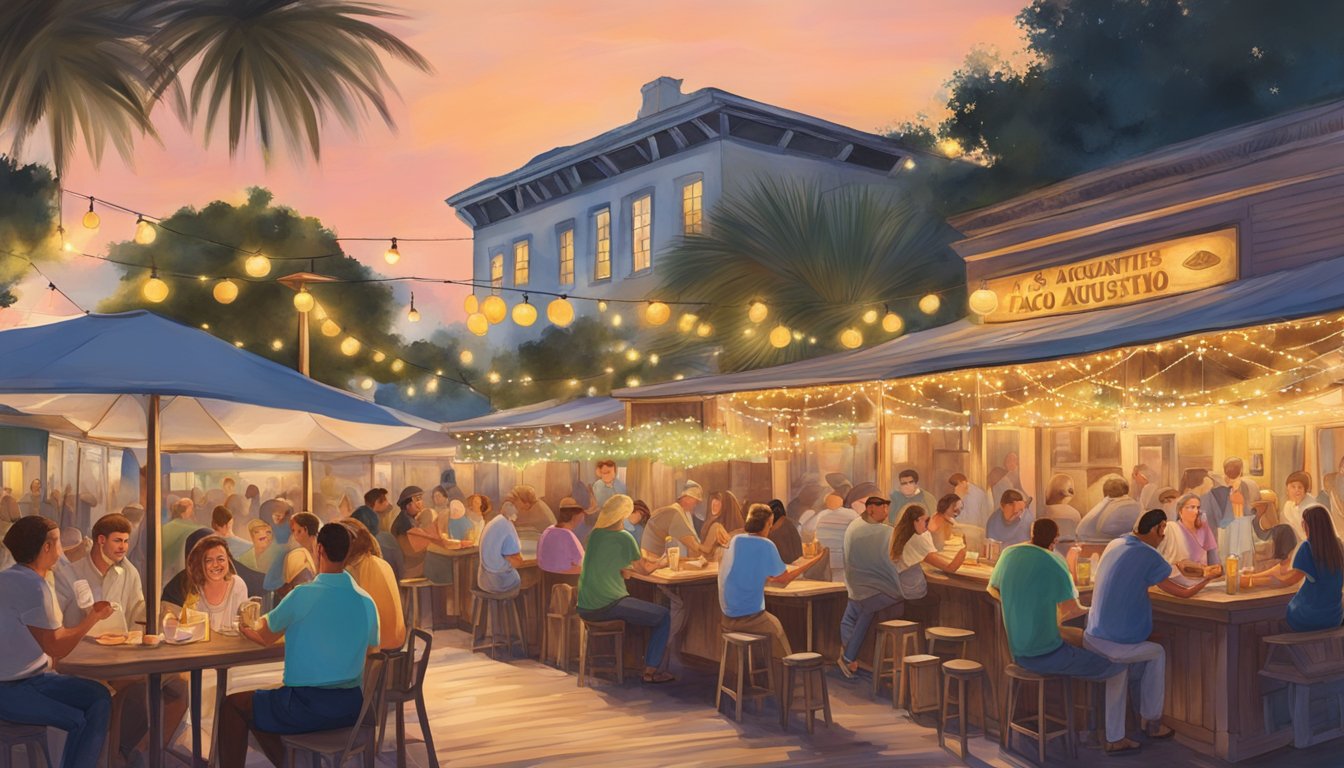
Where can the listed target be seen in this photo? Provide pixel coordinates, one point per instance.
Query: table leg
(809, 602)
(221, 690)
(196, 718)
(155, 683)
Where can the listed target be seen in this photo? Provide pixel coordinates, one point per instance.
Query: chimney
(659, 94)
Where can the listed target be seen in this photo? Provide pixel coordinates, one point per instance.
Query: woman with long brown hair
(723, 521)
(911, 545)
(213, 584)
(1319, 565)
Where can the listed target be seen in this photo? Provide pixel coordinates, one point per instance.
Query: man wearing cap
(410, 504)
(558, 549)
(673, 521)
(871, 578)
(602, 592)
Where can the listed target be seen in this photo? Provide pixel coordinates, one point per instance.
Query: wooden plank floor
(524, 713)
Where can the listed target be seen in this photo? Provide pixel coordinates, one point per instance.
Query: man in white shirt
(831, 524)
(32, 636)
(975, 505)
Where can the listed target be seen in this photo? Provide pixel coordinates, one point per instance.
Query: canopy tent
(550, 413)
(1285, 295)
(138, 379)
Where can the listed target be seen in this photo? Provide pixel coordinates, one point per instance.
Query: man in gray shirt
(870, 578)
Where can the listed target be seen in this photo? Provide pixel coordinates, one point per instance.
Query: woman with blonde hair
(723, 521)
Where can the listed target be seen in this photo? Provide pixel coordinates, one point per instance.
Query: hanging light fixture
(350, 346)
(379, 355)
(466, 356)
(657, 313)
(477, 323)
(757, 311)
(601, 306)
(524, 314)
(983, 301)
(870, 316)
(560, 312)
(91, 220)
(225, 291)
(303, 300)
(703, 330)
(414, 314)
(257, 265)
(780, 337)
(154, 290)
(144, 231)
(616, 319)
(398, 366)
(850, 338)
(471, 304)
(494, 309)
(330, 328)
(392, 255)
(366, 383)
(892, 322)
(930, 303)
(686, 323)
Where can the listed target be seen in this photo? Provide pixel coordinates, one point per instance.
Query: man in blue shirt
(330, 625)
(750, 562)
(1121, 617)
(1037, 593)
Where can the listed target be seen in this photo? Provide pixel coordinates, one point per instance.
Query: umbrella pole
(153, 522)
(307, 480)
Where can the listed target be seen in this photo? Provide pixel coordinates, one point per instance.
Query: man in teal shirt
(330, 625)
(1037, 593)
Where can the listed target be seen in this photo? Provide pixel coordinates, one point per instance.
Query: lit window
(567, 257)
(692, 207)
(496, 272)
(602, 254)
(520, 263)
(641, 225)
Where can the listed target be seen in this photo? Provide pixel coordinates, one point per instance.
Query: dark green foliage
(28, 220)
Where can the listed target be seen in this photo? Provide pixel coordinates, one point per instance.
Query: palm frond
(279, 67)
(817, 259)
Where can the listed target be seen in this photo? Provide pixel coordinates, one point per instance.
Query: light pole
(299, 283)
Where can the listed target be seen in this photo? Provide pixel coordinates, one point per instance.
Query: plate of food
(696, 564)
(111, 638)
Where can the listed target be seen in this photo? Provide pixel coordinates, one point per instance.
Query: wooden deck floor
(524, 713)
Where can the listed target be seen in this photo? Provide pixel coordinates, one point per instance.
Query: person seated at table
(213, 585)
(365, 564)
(175, 591)
(478, 506)
(639, 517)
(1190, 540)
(375, 501)
(722, 522)
(329, 626)
(1276, 541)
(526, 509)
(908, 492)
(221, 522)
(674, 522)
(872, 581)
(458, 526)
(911, 546)
(1120, 620)
(559, 550)
(751, 562)
(1166, 501)
(1011, 522)
(832, 526)
(943, 523)
(602, 592)
(410, 504)
(1037, 594)
(1058, 508)
(299, 564)
(33, 638)
(1298, 491)
(1113, 516)
(501, 555)
(784, 533)
(1319, 566)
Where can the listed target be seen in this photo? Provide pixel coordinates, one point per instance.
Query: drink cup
(83, 594)
(673, 558)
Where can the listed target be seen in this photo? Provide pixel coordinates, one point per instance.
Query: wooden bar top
(104, 662)
(799, 587)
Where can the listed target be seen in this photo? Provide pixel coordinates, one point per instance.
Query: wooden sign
(1140, 274)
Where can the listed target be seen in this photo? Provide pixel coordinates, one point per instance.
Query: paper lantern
(850, 338)
(657, 313)
(350, 346)
(780, 337)
(225, 291)
(477, 324)
(983, 301)
(930, 303)
(154, 289)
(524, 314)
(494, 309)
(303, 300)
(892, 323)
(257, 265)
(870, 316)
(472, 305)
(757, 312)
(560, 312)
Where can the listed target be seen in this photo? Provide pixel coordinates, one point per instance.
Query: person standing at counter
(1011, 523)
(602, 592)
(1319, 566)
(750, 563)
(784, 533)
(1037, 594)
(975, 505)
(604, 487)
(1297, 490)
(722, 523)
(1121, 617)
(871, 578)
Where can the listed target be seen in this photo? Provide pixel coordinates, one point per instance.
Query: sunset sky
(513, 79)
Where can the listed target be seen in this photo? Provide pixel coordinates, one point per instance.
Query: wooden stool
(410, 601)
(591, 631)
(959, 639)
(1017, 678)
(904, 639)
(919, 681)
(505, 607)
(561, 621)
(742, 643)
(33, 738)
(962, 672)
(809, 666)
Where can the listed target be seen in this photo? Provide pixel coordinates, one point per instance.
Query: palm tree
(818, 260)
(98, 67)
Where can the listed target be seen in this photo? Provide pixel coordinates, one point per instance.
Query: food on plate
(111, 638)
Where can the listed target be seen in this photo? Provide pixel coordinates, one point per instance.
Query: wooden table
(465, 560)
(108, 662)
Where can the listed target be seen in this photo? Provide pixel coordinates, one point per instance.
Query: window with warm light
(496, 273)
(692, 207)
(567, 256)
(521, 262)
(641, 230)
(602, 241)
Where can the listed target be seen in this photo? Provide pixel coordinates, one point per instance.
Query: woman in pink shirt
(1193, 540)
(559, 549)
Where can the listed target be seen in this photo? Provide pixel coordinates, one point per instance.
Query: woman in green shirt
(602, 593)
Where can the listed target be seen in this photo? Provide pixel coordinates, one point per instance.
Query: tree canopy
(28, 223)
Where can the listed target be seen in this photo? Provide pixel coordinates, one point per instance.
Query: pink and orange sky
(515, 78)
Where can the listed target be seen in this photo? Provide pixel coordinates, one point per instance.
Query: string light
(144, 231)
(303, 300)
(757, 312)
(379, 356)
(477, 324)
(560, 312)
(471, 304)
(492, 377)
(91, 220)
(657, 313)
(703, 330)
(414, 314)
(257, 265)
(601, 306)
(350, 346)
(616, 320)
(330, 328)
(850, 338)
(780, 337)
(225, 291)
(392, 255)
(398, 365)
(366, 383)
(277, 345)
(524, 314)
(870, 316)
(154, 290)
(686, 323)
(466, 356)
(930, 304)
(892, 322)
(494, 309)
(983, 301)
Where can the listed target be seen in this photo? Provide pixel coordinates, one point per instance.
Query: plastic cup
(673, 558)
(83, 594)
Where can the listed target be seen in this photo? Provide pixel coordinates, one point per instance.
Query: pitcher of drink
(249, 613)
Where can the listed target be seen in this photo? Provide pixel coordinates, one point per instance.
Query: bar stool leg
(825, 699)
(808, 698)
(583, 654)
(619, 640)
(942, 715)
(961, 713)
(785, 697)
(879, 661)
(1070, 739)
(1040, 720)
(743, 664)
(1006, 722)
(723, 667)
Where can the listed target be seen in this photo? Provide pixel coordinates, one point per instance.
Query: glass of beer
(673, 557)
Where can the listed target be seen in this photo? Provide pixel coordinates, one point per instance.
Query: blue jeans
(1073, 661)
(77, 706)
(858, 615)
(640, 613)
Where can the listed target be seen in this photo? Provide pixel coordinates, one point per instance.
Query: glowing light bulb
(780, 337)
(653, 359)
(477, 324)
(257, 265)
(657, 313)
(632, 354)
(379, 356)
(560, 312)
(850, 338)
(466, 356)
(983, 301)
(870, 316)
(366, 383)
(524, 314)
(601, 306)
(154, 289)
(144, 231)
(414, 314)
(471, 304)
(277, 345)
(91, 220)
(632, 381)
(303, 300)
(757, 311)
(930, 303)
(892, 323)
(398, 366)
(703, 330)
(329, 328)
(392, 255)
(492, 377)
(350, 346)
(225, 291)
(494, 309)
(686, 323)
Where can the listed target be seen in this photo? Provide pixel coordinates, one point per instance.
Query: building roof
(550, 413)
(696, 118)
(1284, 295)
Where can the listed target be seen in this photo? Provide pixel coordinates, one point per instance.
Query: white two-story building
(593, 219)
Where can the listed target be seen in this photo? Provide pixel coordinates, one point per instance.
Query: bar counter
(1213, 654)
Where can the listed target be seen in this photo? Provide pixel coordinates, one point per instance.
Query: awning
(1285, 295)
(551, 413)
